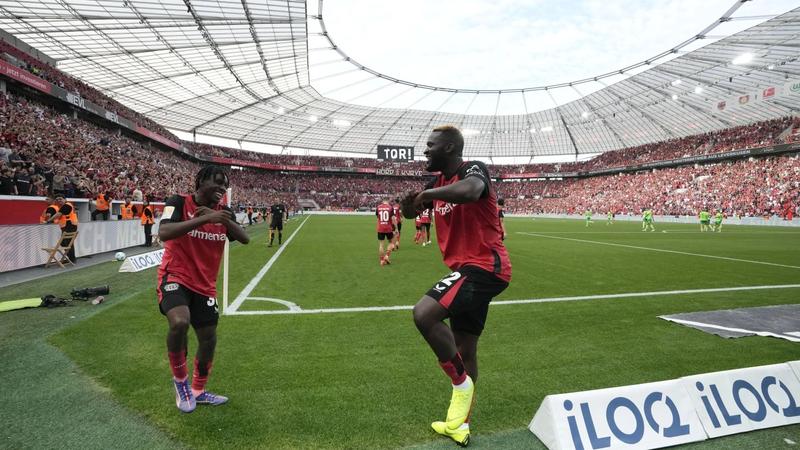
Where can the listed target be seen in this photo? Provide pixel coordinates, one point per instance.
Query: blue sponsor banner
(651, 415)
(666, 413)
(742, 400)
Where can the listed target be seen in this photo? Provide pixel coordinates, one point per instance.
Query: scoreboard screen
(395, 153)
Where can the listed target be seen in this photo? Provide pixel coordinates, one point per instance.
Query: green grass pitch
(97, 376)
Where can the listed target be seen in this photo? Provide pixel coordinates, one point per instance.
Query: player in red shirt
(385, 214)
(398, 222)
(418, 225)
(470, 237)
(194, 229)
(425, 226)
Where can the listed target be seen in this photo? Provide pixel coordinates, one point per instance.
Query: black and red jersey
(385, 212)
(192, 259)
(470, 234)
(425, 216)
(398, 216)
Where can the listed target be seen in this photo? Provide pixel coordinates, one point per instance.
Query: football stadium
(288, 224)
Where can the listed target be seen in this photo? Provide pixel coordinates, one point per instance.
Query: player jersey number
(447, 281)
(212, 302)
(384, 215)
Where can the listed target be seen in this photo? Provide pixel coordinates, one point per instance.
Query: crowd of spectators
(753, 187)
(43, 151)
(298, 160)
(17, 57)
(749, 136)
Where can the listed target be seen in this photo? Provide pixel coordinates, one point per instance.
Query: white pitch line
(525, 301)
(736, 330)
(670, 231)
(659, 250)
(257, 279)
(286, 303)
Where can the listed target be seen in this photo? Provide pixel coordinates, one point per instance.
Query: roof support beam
(169, 48)
(234, 111)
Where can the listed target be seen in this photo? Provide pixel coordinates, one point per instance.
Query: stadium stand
(43, 151)
(42, 70)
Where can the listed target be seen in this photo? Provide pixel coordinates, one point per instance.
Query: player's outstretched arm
(465, 191)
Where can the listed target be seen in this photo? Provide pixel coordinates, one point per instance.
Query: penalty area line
(232, 309)
(522, 302)
(658, 250)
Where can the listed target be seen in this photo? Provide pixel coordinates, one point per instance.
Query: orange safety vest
(101, 202)
(126, 211)
(72, 217)
(147, 220)
(43, 218)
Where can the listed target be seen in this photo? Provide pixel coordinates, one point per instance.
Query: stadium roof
(241, 70)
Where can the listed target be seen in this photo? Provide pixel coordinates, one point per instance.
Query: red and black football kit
(385, 228)
(470, 238)
(398, 216)
(425, 220)
(190, 265)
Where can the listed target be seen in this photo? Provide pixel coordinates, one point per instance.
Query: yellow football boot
(460, 404)
(460, 435)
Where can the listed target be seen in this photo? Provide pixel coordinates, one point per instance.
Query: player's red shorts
(466, 294)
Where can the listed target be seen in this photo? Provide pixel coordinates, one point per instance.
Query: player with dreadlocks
(194, 229)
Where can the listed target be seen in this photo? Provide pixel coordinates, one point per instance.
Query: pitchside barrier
(601, 217)
(20, 245)
(666, 413)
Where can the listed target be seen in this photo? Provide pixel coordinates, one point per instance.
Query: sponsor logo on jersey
(206, 236)
(171, 287)
(445, 208)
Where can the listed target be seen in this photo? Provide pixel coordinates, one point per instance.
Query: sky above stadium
(501, 44)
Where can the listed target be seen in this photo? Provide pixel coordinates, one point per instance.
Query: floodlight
(698, 90)
(585, 114)
(674, 96)
(312, 118)
(744, 58)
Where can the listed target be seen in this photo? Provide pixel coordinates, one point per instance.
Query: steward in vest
(102, 206)
(50, 211)
(126, 210)
(148, 219)
(67, 219)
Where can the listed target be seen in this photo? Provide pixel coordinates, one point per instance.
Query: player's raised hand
(407, 205)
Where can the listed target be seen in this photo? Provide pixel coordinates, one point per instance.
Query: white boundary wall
(21, 245)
